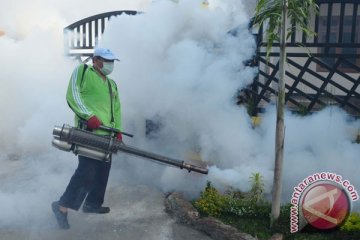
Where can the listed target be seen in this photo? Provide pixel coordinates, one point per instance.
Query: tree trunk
(280, 128)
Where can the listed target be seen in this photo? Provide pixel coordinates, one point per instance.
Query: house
(324, 70)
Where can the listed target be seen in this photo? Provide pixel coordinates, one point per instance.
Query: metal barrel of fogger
(175, 162)
(86, 143)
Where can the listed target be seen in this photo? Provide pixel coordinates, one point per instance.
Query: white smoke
(34, 78)
(179, 68)
(19, 18)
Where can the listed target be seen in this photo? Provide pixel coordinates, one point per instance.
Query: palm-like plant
(257, 188)
(274, 15)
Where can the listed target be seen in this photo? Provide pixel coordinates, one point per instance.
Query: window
(334, 37)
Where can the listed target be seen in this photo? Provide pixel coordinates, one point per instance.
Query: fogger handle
(110, 129)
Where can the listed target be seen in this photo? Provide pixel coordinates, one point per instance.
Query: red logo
(325, 206)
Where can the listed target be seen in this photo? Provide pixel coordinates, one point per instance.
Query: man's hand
(119, 137)
(93, 123)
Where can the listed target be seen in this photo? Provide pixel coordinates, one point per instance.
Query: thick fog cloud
(180, 69)
(34, 77)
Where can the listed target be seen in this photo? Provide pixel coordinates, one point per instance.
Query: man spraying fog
(94, 99)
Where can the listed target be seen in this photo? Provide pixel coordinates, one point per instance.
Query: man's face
(99, 62)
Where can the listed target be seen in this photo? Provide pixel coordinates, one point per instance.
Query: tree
(274, 15)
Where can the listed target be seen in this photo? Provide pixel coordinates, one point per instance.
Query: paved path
(137, 212)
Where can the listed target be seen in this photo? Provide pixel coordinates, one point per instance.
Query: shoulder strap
(114, 83)
(83, 73)
(111, 100)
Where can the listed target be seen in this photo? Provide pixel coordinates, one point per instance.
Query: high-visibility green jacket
(89, 95)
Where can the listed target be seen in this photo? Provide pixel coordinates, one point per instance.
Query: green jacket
(88, 95)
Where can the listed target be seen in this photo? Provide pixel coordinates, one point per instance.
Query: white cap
(105, 53)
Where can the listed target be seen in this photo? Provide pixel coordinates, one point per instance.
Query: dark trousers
(89, 181)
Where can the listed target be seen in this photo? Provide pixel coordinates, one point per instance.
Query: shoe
(61, 217)
(100, 210)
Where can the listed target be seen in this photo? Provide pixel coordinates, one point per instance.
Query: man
(94, 99)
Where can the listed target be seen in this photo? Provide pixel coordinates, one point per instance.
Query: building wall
(315, 67)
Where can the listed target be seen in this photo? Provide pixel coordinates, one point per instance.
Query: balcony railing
(81, 37)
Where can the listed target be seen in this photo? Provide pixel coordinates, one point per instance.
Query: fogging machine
(89, 144)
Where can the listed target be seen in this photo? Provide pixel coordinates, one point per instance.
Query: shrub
(210, 203)
(251, 204)
(352, 223)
